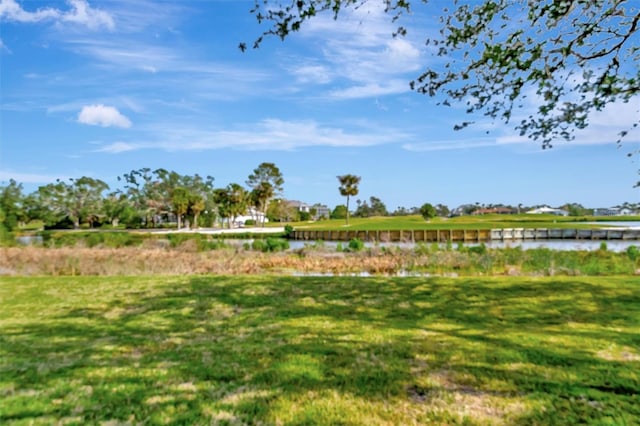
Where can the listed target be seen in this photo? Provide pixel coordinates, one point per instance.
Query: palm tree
(348, 187)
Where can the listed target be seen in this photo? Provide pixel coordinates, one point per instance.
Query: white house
(549, 210)
(252, 214)
(613, 211)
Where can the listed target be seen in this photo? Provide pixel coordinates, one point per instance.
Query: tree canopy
(348, 188)
(571, 57)
(265, 182)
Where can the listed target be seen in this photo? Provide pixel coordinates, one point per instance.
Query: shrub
(179, 239)
(214, 244)
(259, 245)
(481, 249)
(250, 222)
(270, 245)
(288, 231)
(6, 237)
(356, 245)
(633, 252)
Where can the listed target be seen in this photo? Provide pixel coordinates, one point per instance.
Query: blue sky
(101, 88)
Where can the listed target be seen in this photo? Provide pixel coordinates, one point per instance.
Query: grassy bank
(491, 221)
(266, 350)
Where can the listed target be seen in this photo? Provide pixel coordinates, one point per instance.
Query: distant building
(463, 209)
(549, 210)
(251, 214)
(613, 211)
(494, 210)
(322, 211)
(298, 205)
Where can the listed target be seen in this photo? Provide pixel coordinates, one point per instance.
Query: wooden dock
(468, 235)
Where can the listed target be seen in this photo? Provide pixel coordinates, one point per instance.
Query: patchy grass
(285, 350)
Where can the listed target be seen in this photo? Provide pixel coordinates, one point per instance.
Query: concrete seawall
(468, 235)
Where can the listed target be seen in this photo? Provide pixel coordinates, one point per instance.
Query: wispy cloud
(4, 48)
(118, 147)
(268, 134)
(366, 61)
(371, 90)
(80, 13)
(125, 55)
(312, 73)
(101, 115)
(454, 144)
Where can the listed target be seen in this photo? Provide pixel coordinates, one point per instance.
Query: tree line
(147, 198)
(151, 198)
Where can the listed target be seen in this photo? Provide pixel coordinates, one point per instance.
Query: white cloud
(454, 144)
(80, 13)
(316, 74)
(117, 147)
(10, 10)
(364, 57)
(371, 90)
(101, 115)
(4, 47)
(268, 134)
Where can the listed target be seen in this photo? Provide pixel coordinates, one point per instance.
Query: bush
(214, 244)
(270, 245)
(250, 222)
(179, 239)
(481, 249)
(288, 231)
(356, 245)
(633, 252)
(6, 237)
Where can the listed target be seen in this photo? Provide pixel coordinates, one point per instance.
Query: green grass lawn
(289, 350)
(491, 221)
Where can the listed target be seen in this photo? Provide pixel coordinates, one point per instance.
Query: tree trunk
(347, 210)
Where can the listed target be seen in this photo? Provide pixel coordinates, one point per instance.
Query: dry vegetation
(158, 258)
(182, 261)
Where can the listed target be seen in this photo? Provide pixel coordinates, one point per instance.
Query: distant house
(298, 205)
(322, 211)
(549, 210)
(606, 211)
(613, 211)
(251, 214)
(494, 210)
(463, 209)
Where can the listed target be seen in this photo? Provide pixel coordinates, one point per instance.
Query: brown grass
(183, 260)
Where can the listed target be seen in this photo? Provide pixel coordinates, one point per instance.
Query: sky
(100, 88)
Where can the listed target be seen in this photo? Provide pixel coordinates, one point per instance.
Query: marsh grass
(203, 256)
(284, 350)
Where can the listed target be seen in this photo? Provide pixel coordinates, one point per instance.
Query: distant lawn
(286, 350)
(493, 221)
